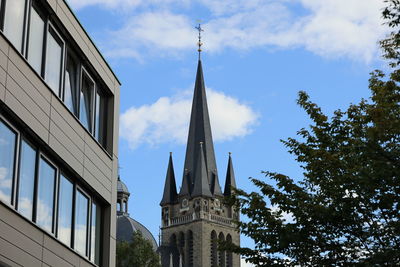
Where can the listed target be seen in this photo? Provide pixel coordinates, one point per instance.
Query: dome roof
(126, 226)
(121, 187)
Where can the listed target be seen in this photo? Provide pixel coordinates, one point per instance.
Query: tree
(138, 253)
(345, 211)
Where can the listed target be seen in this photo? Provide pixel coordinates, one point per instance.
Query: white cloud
(330, 28)
(167, 119)
(243, 263)
(78, 4)
(287, 217)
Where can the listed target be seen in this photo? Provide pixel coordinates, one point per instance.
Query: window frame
(35, 175)
(83, 72)
(39, 10)
(16, 160)
(88, 218)
(55, 192)
(63, 174)
(51, 30)
(70, 52)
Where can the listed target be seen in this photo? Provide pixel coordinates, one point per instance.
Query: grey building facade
(193, 220)
(59, 108)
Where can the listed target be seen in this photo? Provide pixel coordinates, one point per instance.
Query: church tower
(194, 219)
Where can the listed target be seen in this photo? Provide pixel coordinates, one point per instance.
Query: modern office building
(59, 107)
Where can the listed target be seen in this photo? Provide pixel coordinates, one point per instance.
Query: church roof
(200, 131)
(126, 226)
(170, 193)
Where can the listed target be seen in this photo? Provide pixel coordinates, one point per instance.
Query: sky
(257, 55)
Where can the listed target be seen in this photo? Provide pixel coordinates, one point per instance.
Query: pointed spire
(201, 186)
(170, 195)
(200, 131)
(230, 178)
(185, 188)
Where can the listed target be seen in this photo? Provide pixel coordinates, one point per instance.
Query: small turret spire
(230, 178)
(170, 194)
(201, 186)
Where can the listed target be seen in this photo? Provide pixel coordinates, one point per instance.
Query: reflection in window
(99, 118)
(54, 61)
(7, 156)
(65, 210)
(95, 234)
(86, 102)
(35, 46)
(45, 195)
(81, 222)
(26, 180)
(71, 75)
(14, 22)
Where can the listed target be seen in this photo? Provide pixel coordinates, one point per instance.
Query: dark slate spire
(201, 186)
(200, 131)
(185, 189)
(170, 195)
(230, 178)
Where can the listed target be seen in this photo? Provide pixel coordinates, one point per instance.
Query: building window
(14, 22)
(54, 59)
(86, 101)
(95, 234)
(100, 117)
(213, 249)
(71, 84)
(81, 222)
(26, 182)
(45, 195)
(65, 200)
(53, 201)
(36, 39)
(8, 141)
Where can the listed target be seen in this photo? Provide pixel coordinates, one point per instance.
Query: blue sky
(257, 55)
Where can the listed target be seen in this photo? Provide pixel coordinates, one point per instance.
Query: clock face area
(185, 203)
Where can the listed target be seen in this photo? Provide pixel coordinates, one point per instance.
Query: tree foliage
(138, 253)
(345, 210)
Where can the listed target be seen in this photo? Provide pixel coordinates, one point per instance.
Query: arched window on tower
(228, 253)
(119, 205)
(124, 206)
(181, 249)
(174, 250)
(221, 254)
(190, 248)
(213, 249)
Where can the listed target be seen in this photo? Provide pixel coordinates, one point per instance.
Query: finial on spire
(230, 153)
(199, 43)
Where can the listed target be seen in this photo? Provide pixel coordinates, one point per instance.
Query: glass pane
(26, 179)
(70, 85)
(98, 116)
(81, 222)
(45, 197)
(95, 236)
(53, 63)
(65, 210)
(14, 22)
(86, 102)
(35, 48)
(7, 157)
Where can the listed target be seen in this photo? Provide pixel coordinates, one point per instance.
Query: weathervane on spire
(199, 42)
